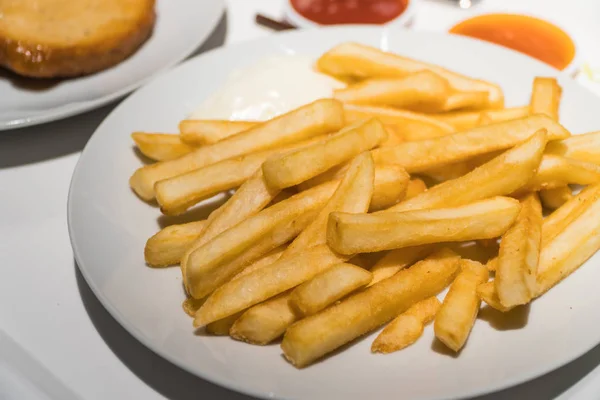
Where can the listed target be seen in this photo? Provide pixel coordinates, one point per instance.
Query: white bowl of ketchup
(314, 13)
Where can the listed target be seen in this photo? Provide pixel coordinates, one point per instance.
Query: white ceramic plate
(181, 26)
(109, 226)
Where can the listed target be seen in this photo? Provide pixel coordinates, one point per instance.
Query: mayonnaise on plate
(267, 89)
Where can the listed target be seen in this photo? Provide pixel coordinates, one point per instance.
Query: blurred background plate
(181, 27)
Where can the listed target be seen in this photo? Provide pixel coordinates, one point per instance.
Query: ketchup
(333, 12)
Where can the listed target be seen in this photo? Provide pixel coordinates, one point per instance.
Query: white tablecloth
(56, 339)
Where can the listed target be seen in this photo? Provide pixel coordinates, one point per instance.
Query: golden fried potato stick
(564, 215)
(328, 287)
(554, 198)
(264, 283)
(205, 265)
(297, 166)
(462, 120)
(314, 119)
(357, 61)
(389, 187)
(367, 233)
(200, 132)
(222, 326)
(406, 124)
(169, 244)
(353, 195)
(557, 171)
(160, 146)
(424, 155)
(267, 259)
(397, 260)
(492, 264)
(501, 176)
(545, 97)
(584, 147)
(487, 293)
(264, 322)
(406, 328)
(448, 172)
(456, 316)
(519, 255)
(415, 187)
(191, 305)
(568, 250)
(175, 195)
(313, 337)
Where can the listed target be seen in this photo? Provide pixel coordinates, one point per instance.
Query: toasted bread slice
(65, 38)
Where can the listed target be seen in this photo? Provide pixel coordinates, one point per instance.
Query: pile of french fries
(332, 231)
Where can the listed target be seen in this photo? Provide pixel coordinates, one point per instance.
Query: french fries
(462, 120)
(264, 283)
(584, 147)
(557, 171)
(313, 337)
(545, 97)
(328, 287)
(500, 176)
(414, 188)
(352, 195)
(519, 255)
(487, 293)
(427, 154)
(222, 326)
(205, 265)
(410, 126)
(267, 259)
(197, 132)
(406, 328)
(455, 318)
(317, 118)
(554, 198)
(364, 233)
(397, 260)
(298, 166)
(264, 322)
(160, 146)
(353, 60)
(170, 244)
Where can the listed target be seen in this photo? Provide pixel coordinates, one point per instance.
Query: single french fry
(160, 146)
(397, 260)
(365, 233)
(314, 119)
(462, 120)
(359, 61)
(205, 265)
(191, 305)
(313, 337)
(267, 259)
(456, 316)
(415, 187)
(264, 322)
(570, 248)
(222, 326)
(406, 328)
(484, 119)
(328, 287)
(556, 222)
(427, 154)
(300, 165)
(169, 244)
(584, 147)
(352, 195)
(500, 176)
(492, 264)
(198, 132)
(448, 172)
(175, 195)
(556, 171)
(545, 97)
(264, 283)
(487, 293)
(389, 187)
(519, 255)
(554, 198)
(253, 196)
(406, 124)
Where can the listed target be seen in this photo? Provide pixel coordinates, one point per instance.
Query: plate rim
(230, 384)
(62, 111)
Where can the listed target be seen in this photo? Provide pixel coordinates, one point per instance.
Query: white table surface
(54, 334)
